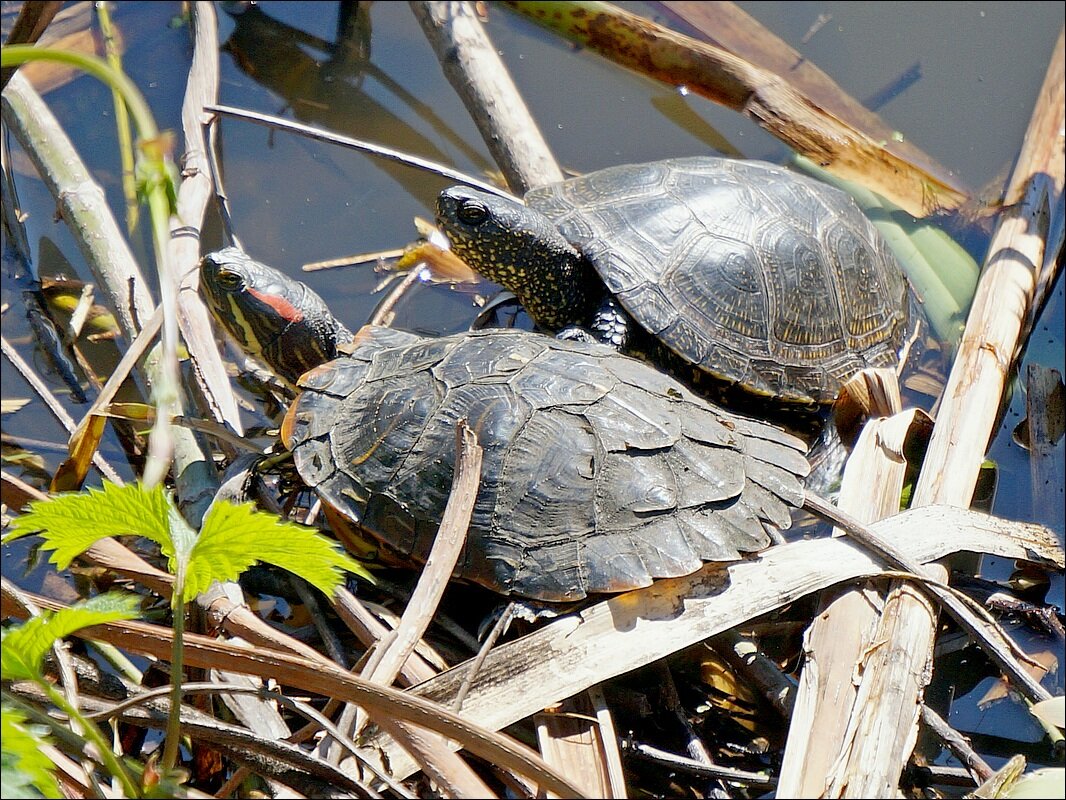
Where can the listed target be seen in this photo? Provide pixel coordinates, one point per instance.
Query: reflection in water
(675, 107)
(328, 92)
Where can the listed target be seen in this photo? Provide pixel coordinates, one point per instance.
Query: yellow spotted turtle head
(272, 316)
(520, 249)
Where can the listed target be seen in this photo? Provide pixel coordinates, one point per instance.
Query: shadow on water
(327, 90)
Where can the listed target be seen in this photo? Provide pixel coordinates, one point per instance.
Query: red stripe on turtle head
(286, 310)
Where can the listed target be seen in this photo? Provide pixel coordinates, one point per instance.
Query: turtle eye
(472, 212)
(228, 280)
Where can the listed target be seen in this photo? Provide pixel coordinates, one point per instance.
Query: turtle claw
(575, 333)
(610, 325)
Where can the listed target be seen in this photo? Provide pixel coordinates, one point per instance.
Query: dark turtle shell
(599, 473)
(762, 277)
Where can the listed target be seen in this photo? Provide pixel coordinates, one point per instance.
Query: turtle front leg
(610, 325)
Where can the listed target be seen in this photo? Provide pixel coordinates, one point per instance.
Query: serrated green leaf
(182, 537)
(71, 523)
(27, 772)
(25, 645)
(234, 537)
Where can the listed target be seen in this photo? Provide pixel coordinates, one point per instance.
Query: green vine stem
(114, 764)
(122, 120)
(156, 178)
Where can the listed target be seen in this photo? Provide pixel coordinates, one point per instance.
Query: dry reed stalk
(727, 25)
(1043, 399)
(631, 630)
(361, 620)
(965, 423)
(767, 99)
(841, 634)
(193, 196)
(324, 679)
(482, 81)
(566, 738)
(423, 604)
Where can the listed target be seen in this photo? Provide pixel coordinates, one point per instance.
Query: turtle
(600, 473)
(281, 321)
(772, 283)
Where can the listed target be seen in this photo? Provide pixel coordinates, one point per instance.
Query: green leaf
(25, 645)
(234, 537)
(27, 772)
(182, 536)
(71, 523)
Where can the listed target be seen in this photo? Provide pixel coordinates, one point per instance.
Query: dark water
(974, 67)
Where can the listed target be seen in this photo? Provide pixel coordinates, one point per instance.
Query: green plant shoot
(22, 659)
(232, 538)
(25, 645)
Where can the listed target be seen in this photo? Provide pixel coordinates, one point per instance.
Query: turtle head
(520, 249)
(272, 316)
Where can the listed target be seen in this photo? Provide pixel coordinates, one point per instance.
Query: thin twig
(958, 746)
(353, 261)
(334, 648)
(210, 135)
(45, 446)
(369, 630)
(646, 752)
(697, 750)
(356, 144)
(482, 653)
(383, 310)
(218, 688)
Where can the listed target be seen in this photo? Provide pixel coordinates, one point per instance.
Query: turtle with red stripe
(274, 318)
(599, 474)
